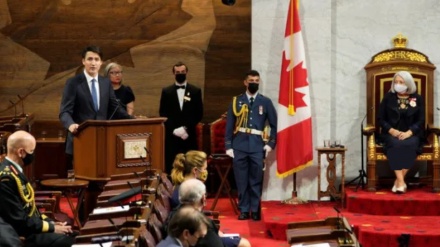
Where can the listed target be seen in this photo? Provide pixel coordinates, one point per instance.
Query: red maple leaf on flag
(299, 80)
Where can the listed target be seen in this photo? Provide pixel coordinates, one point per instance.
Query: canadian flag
(294, 137)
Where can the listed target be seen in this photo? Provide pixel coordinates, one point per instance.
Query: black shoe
(256, 216)
(243, 216)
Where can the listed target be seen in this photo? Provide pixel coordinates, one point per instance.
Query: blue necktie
(252, 101)
(94, 95)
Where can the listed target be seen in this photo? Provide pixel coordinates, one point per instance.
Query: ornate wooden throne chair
(380, 71)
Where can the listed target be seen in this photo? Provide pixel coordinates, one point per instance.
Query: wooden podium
(109, 147)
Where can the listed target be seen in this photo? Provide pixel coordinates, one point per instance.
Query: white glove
(230, 152)
(184, 136)
(180, 132)
(268, 149)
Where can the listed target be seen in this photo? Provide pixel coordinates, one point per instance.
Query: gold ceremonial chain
(242, 115)
(29, 198)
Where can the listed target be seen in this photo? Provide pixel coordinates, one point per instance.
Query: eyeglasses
(115, 73)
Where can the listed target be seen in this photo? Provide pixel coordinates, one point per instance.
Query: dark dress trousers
(26, 221)
(189, 116)
(77, 104)
(8, 236)
(248, 148)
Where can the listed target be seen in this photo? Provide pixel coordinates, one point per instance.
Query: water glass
(71, 175)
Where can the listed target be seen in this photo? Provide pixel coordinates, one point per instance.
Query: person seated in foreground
(402, 120)
(191, 165)
(17, 198)
(8, 236)
(185, 228)
(192, 192)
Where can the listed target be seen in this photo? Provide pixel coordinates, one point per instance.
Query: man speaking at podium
(88, 96)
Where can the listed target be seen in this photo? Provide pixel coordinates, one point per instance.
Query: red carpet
(381, 229)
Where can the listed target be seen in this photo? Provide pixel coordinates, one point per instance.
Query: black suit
(190, 115)
(77, 104)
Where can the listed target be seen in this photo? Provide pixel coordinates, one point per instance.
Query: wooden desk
(335, 231)
(330, 154)
(66, 186)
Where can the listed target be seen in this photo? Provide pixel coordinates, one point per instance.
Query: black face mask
(252, 88)
(180, 78)
(28, 159)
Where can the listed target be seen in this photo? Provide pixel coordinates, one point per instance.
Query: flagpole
(295, 200)
(291, 107)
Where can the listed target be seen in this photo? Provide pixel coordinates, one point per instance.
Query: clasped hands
(266, 148)
(62, 228)
(401, 135)
(181, 132)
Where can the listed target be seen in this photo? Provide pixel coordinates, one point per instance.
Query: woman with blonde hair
(193, 164)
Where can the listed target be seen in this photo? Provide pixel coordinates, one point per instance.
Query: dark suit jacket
(77, 104)
(261, 112)
(190, 115)
(169, 242)
(389, 116)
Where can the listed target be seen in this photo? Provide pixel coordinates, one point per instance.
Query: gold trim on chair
(379, 73)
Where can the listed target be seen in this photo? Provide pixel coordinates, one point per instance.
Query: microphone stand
(22, 103)
(362, 173)
(117, 107)
(15, 107)
(149, 159)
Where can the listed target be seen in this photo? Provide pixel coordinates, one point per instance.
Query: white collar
(89, 78)
(253, 96)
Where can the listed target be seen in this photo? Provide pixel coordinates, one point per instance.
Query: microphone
(22, 103)
(113, 224)
(149, 161)
(15, 106)
(338, 216)
(341, 226)
(365, 116)
(117, 107)
(120, 103)
(126, 237)
(139, 177)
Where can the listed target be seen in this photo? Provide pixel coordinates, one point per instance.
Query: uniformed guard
(17, 200)
(246, 119)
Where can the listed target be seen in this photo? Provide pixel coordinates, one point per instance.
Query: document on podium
(106, 244)
(117, 209)
(311, 245)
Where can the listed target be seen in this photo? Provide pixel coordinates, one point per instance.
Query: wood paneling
(42, 40)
